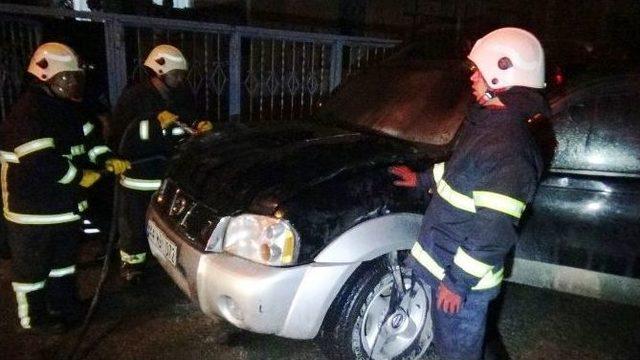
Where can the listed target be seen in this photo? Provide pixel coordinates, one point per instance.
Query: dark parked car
(296, 230)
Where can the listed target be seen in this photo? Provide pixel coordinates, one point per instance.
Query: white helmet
(509, 57)
(164, 58)
(52, 58)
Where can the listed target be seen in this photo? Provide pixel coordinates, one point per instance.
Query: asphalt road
(155, 321)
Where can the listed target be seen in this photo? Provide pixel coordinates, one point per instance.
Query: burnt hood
(254, 169)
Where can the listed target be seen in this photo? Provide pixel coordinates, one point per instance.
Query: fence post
(335, 73)
(116, 58)
(235, 75)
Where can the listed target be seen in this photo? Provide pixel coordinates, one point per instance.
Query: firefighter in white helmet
(48, 152)
(144, 128)
(481, 191)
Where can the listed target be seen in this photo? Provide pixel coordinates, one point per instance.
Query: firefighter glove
(204, 126)
(166, 118)
(407, 177)
(117, 166)
(89, 177)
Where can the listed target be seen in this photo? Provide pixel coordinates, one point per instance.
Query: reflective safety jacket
(144, 100)
(44, 145)
(148, 147)
(479, 196)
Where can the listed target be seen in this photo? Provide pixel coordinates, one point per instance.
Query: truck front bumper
(285, 301)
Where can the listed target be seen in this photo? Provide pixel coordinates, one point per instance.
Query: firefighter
(46, 149)
(480, 193)
(144, 129)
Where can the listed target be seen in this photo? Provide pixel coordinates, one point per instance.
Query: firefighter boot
(64, 303)
(132, 268)
(32, 310)
(132, 274)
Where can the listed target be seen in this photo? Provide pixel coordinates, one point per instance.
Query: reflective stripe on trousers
(133, 258)
(21, 290)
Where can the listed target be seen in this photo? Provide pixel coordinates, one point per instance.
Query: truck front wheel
(363, 322)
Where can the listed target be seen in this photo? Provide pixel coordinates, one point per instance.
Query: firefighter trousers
(132, 225)
(44, 271)
(461, 336)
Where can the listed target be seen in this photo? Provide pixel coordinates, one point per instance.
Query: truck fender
(373, 238)
(337, 262)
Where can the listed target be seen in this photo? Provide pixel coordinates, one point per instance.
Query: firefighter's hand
(117, 166)
(204, 126)
(407, 177)
(166, 118)
(89, 177)
(448, 301)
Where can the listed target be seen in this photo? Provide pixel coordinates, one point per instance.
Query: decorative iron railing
(18, 39)
(255, 73)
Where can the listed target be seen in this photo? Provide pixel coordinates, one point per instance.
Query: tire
(354, 318)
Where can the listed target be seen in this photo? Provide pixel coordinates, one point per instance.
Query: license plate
(160, 244)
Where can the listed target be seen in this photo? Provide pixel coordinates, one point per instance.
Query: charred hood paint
(245, 171)
(324, 179)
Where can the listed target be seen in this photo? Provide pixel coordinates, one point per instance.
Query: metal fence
(235, 71)
(18, 39)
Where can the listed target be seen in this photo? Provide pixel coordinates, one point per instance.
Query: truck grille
(190, 218)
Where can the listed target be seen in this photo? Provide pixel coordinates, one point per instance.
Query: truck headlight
(263, 239)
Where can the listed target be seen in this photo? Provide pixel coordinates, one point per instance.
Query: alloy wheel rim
(385, 337)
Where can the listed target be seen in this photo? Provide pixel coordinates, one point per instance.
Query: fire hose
(111, 244)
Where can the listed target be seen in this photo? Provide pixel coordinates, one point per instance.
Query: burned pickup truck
(292, 229)
(297, 230)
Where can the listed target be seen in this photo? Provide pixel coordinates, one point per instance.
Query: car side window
(612, 142)
(571, 135)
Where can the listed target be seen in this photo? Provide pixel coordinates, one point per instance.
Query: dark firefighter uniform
(44, 147)
(149, 146)
(144, 99)
(478, 197)
(139, 136)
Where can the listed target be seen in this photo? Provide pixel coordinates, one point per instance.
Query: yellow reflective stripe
(97, 151)
(77, 150)
(83, 205)
(29, 219)
(144, 130)
(438, 172)
(9, 157)
(21, 290)
(33, 146)
(470, 265)
(56, 273)
(23, 310)
(27, 287)
(140, 184)
(499, 202)
(177, 131)
(70, 175)
(87, 128)
(455, 198)
(427, 261)
(490, 280)
(133, 258)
